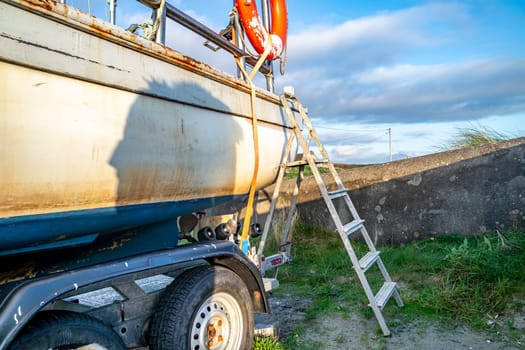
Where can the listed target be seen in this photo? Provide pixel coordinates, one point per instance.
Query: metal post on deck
(112, 11)
(390, 142)
(266, 22)
(239, 32)
(161, 31)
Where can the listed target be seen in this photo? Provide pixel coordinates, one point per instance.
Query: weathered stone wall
(468, 191)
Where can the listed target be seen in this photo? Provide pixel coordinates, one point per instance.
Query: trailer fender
(23, 299)
(251, 276)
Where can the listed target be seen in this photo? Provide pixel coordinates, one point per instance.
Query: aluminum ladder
(378, 300)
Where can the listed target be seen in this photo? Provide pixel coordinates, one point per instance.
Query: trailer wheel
(206, 308)
(61, 330)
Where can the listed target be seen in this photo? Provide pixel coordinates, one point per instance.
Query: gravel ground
(357, 332)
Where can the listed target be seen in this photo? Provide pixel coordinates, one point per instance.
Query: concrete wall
(468, 191)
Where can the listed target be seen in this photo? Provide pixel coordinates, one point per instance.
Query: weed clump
(480, 276)
(265, 343)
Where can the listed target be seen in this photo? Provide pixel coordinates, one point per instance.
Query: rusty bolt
(212, 332)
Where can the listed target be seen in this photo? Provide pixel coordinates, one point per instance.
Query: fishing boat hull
(103, 131)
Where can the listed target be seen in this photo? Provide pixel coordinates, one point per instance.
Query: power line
(387, 131)
(372, 140)
(352, 130)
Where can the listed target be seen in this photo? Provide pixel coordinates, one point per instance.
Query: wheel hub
(213, 326)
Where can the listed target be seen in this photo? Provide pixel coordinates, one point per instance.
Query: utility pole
(390, 142)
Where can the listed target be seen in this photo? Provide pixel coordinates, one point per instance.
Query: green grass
(476, 135)
(292, 173)
(478, 278)
(447, 278)
(461, 279)
(266, 344)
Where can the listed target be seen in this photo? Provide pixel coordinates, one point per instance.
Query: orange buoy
(255, 31)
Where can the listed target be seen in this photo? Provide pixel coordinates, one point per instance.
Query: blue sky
(422, 68)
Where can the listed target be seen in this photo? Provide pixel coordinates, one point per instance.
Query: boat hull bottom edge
(156, 222)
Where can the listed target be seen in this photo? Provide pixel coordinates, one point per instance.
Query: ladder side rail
(380, 265)
(367, 239)
(363, 280)
(383, 269)
(387, 278)
(287, 232)
(313, 135)
(293, 205)
(333, 171)
(333, 213)
(306, 121)
(322, 187)
(309, 139)
(275, 194)
(389, 287)
(351, 206)
(366, 286)
(335, 175)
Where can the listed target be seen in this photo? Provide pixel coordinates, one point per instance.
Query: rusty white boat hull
(102, 130)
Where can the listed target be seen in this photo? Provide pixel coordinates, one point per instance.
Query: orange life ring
(255, 30)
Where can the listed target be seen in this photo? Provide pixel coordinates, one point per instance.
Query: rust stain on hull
(105, 30)
(21, 41)
(63, 187)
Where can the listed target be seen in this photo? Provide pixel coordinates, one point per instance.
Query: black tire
(222, 232)
(255, 230)
(65, 330)
(205, 304)
(206, 234)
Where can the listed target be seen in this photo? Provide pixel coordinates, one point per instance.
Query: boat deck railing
(162, 10)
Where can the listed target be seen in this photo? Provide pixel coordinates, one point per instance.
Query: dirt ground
(354, 331)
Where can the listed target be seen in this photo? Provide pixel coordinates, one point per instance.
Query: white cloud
(371, 37)
(361, 69)
(464, 90)
(364, 154)
(343, 151)
(357, 143)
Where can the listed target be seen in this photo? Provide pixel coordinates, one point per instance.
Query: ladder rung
(353, 226)
(296, 163)
(385, 293)
(368, 260)
(338, 193)
(305, 162)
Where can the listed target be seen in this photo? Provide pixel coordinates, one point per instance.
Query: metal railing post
(161, 31)
(239, 32)
(269, 64)
(112, 11)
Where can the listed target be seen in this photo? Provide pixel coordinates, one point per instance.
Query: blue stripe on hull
(28, 233)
